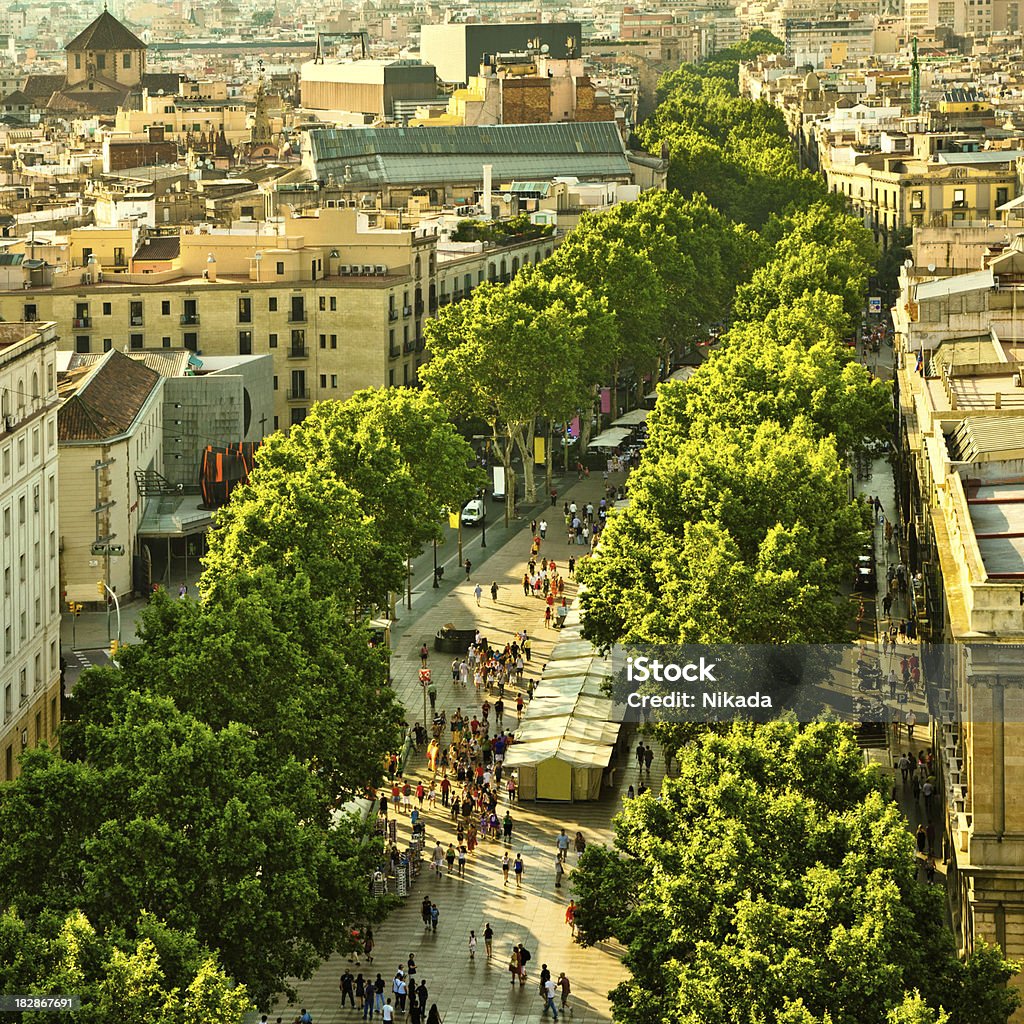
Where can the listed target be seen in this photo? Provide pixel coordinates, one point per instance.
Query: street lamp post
(436, 584)
(483, 519)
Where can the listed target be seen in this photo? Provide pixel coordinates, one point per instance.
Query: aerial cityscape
(512, 510)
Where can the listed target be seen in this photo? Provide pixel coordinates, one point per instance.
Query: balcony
(407, 311)
(433, 304)
(392, 315)
(136, 321)
(394, 352)
(296, 318)
(82, 322)
(298, 352)
(297, 394)
(419, 307)
(189, 318)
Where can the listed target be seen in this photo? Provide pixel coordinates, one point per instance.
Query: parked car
(473, 512)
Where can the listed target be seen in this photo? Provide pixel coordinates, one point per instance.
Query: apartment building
(30, 599)
(334, 297)
(961, 413)
(895, 188)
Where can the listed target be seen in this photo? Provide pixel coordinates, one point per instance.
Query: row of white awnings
(683, 373)
(611, 438)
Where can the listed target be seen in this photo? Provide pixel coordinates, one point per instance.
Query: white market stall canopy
(567, 740)
(683, 373)
(610, 438)
(633, 418)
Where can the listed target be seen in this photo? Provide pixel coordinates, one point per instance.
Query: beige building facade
(30, 601)
(338, 305)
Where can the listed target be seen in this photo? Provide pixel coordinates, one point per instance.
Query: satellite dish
(507, 197)
(545, 48)
(931, 268)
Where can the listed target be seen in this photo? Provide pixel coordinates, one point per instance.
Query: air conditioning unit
(87, 279)
(1018, 380)
(381, 269)
(344, 268)
(12, 422)
(367, 268)
(995, 280)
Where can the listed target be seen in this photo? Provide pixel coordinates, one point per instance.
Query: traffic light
(114, 645)
(101, 588)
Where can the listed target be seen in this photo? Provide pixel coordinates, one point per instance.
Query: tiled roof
(159, 247)
(42, 87)
(108, 402)
(105, 33)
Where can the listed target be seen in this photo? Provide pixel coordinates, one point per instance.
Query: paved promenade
(478, 991)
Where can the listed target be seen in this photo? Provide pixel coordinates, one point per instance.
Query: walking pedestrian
(579, 844)
(494, 590)
(368, 995)
(562, 842)
(505, 866)
(648, 759)
(559, 871)
(468, 566)
(911, 722)
(488, 940)
(549, 998)
(570, 917)
(518, 867)
(566, 988)
(346, 984)
(434, 1017)
(424, 654)
(543, 529)
(472, 945)
(478, 593)
(438, 858)
(514, 966)
(387, 1012)
(434, 915)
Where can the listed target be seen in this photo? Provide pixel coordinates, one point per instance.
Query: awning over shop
(633, 418)
(610, 438)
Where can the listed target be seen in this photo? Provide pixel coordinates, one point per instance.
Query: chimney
(485, 199)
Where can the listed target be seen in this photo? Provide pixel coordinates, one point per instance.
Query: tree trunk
(524, 441)
(547, 462)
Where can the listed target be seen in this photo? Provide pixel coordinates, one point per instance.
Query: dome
(811, 83)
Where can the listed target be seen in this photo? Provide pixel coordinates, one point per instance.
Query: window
(1002, 195)
(191, 341)
(166, 342)
(298, 415)
(126, 60)
(21, 512)
(107, 344)
(323, 303)
(323, 380)
(165, 308)
(134, 313)
(334, 380)
(78, 67)
(135, 341)
(272, 341)
(334, 303)
(275, 388)
(277, 424)
(959, 197)
(272, 303)
(106, 309)
(245, 343)
(101, 62)
(245, 311)
(81, 342)
(323, 341)
(391, 378)
(334, 341)
(280, 269)
(917, 199)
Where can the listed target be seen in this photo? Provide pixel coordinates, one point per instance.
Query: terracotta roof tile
(105, 33)
(109, 401)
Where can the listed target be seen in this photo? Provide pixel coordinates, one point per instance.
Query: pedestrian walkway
(478, 991)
